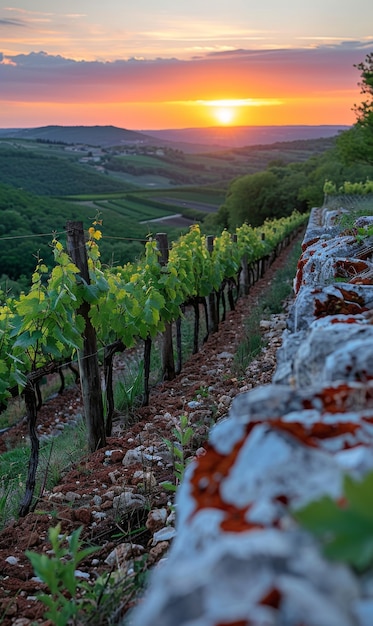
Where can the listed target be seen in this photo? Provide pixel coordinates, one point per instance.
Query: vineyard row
(126, 303)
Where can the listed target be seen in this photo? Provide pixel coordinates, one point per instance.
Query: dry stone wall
(239, 558)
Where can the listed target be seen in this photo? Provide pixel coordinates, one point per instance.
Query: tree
(364, 111)
(251, 199)
(356, 144)
(270, 194)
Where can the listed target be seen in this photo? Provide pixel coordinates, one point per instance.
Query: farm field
(212, 168)
(56, 169)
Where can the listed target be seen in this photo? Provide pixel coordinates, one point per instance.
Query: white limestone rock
(317, 302)
(352, 361)
(237, 577)
(321, 342)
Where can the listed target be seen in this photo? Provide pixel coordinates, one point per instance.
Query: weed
(183, 434)
(13, 467)
(58, 572)
(57, 454)
(202, 392)
(128, 391)
(74, 601)
(4, 494)
(14, 412)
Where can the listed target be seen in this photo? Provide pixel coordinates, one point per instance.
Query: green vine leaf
(345, 528)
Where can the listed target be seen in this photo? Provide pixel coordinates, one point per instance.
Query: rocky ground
(116, 494)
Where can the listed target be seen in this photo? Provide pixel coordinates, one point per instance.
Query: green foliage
(356, 144)
(74, 601)
(266, 195)
(361, 188)
(57, 571)
(280, 189)
(183, 434)
(345, 528)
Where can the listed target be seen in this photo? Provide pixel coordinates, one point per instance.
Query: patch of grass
(128, 391)
(49, 386)
(13, 413)
(13, 468)
(59, 453)
(270, 302)
(347, 220)
(250, 347)
(55, 456)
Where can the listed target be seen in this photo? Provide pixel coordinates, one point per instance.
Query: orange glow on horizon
(162, 115)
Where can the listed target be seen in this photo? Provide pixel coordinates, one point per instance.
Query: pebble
(193, 404)
(123, 552)
(98, 515)
(164, 534)
(71, 496)
(79, 574)
(12, 560)
(148, 479)
(133, 457)
(156, 519)
(128, 500)
(225, 355)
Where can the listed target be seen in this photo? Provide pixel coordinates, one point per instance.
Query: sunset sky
(151, 64)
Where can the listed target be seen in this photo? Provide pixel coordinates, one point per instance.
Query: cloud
(6, 61)
(241, 73)
(12, 23)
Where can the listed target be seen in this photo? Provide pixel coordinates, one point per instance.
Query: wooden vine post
(168, 361)
(213, 314)
(88, 363)
(245, 276)
(262, 260)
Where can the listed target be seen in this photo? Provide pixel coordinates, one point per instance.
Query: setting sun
(224, 115)
(234, 111)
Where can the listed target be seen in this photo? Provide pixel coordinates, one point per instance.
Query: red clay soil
(99, 473)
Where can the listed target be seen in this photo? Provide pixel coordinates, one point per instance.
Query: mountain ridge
(204, 138)
(240, 136)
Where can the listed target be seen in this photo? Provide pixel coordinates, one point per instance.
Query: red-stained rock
(83, 515)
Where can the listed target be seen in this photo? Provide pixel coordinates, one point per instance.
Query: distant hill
(88, 135)
(240, 136)
(186, 139)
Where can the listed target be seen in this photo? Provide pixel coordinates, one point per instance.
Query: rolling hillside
(89, 135)
(186, 139)
(137, 189)
(240, 136)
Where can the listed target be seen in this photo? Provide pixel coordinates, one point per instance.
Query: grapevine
(127, 303)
